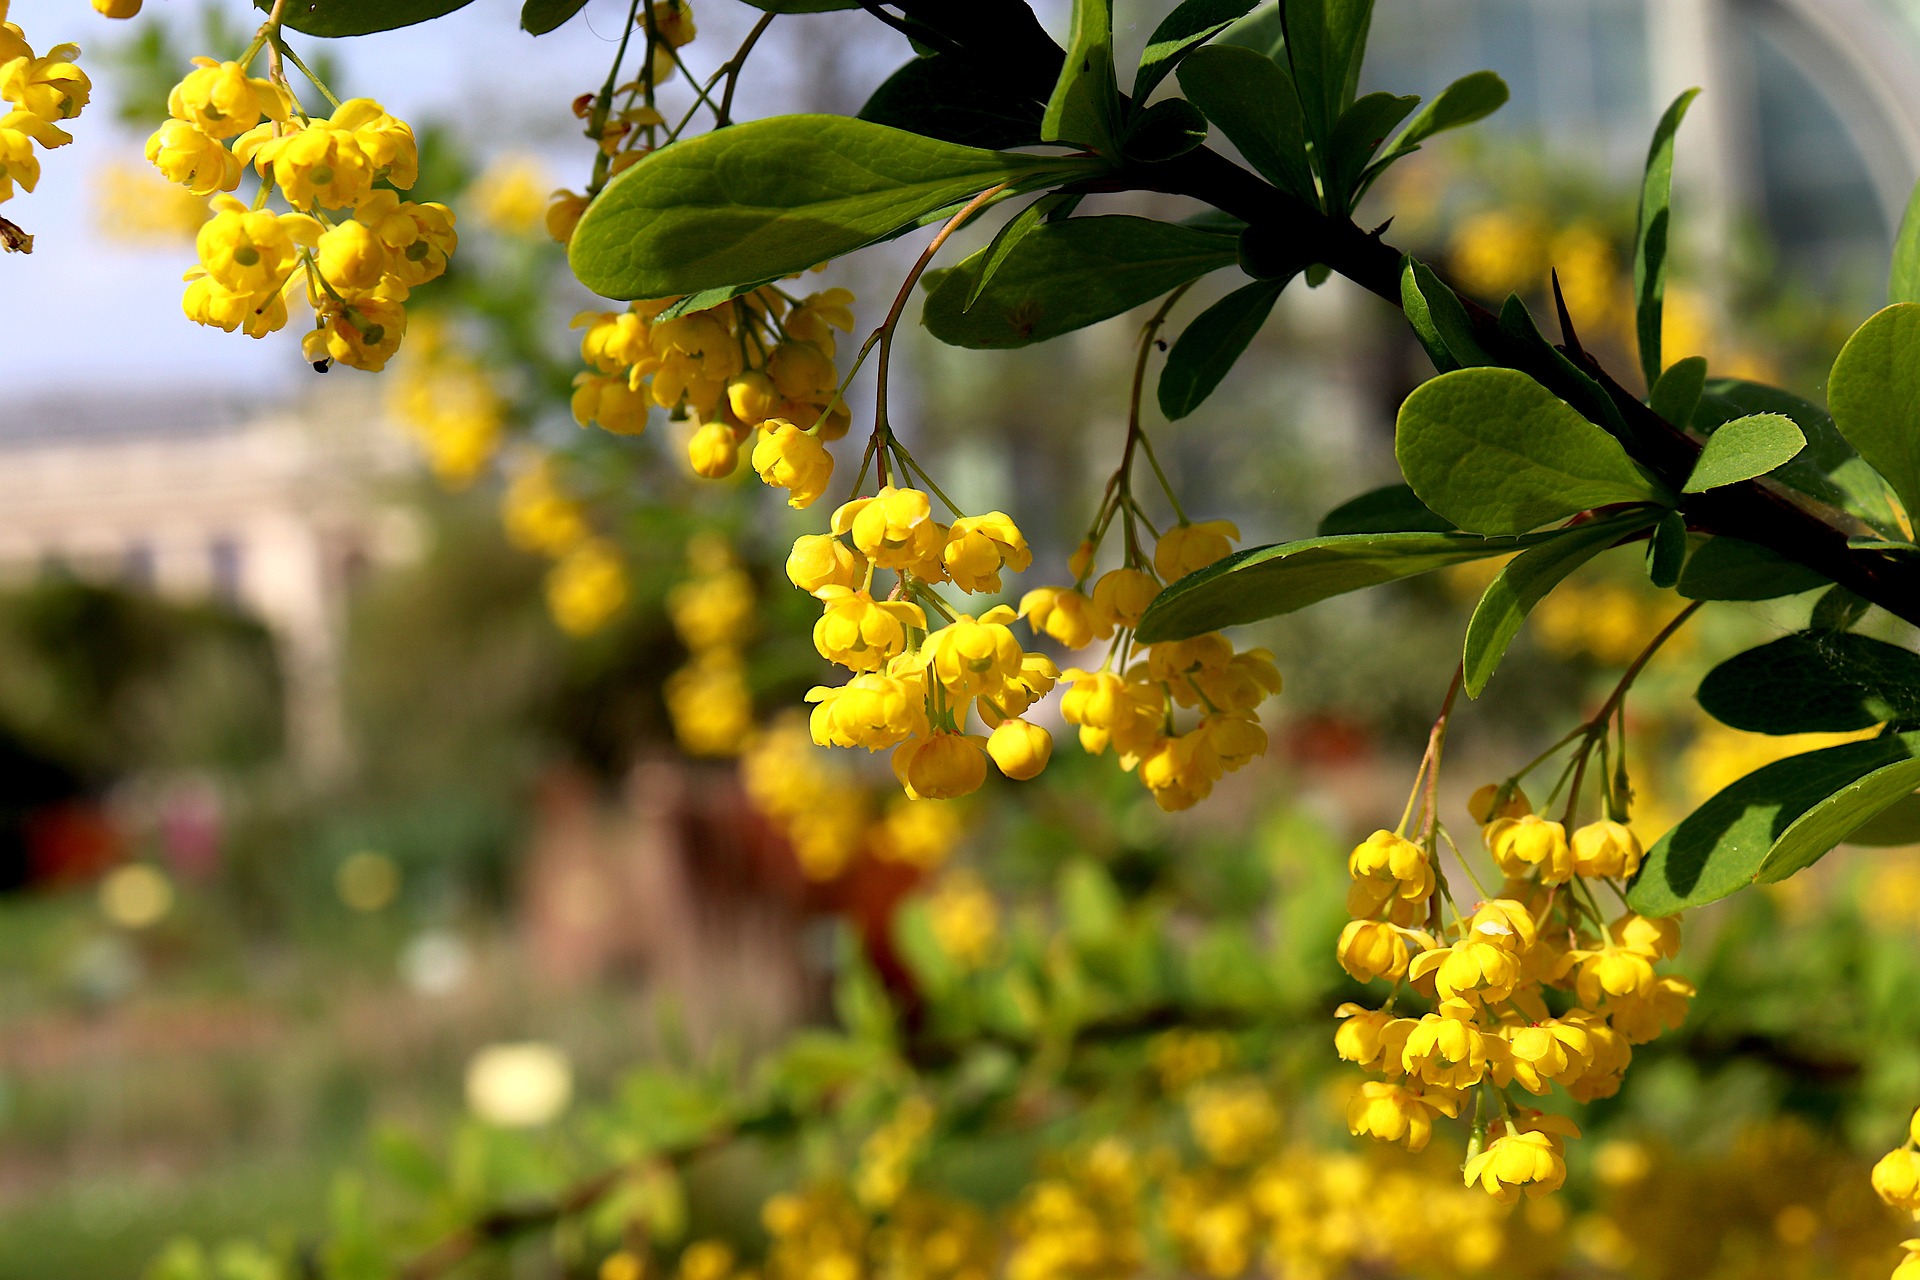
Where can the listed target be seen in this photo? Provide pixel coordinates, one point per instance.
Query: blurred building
(273, 509)
(1809, 117)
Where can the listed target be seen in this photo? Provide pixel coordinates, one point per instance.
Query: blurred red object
(71, 842)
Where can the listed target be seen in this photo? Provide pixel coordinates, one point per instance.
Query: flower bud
(1020, 749)
(1606, 849)
(1481, 807)
(713, 451)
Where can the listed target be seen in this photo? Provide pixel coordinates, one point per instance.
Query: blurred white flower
(519, 1086)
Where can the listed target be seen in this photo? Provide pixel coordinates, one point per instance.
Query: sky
(84, 311)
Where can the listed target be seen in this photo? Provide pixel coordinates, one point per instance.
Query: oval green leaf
(1827, 469)
(1525, 582)
(1209, 346)
(1814, 833)
(1732, 569)
(1264, 582)
(1667, 550)
(1497, 453)
(1191, 24)
(1721, 846)
(1393, 508)
(359, 17)
(944, 96)
(1650, 237)
(1874, 393)
(773, 197)
(1745, 448)
(1814, 682)
(1085, 106)
(537, 17)
(1251, 99)
(1063, 276)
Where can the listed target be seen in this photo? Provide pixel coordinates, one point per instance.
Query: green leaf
(1016, 229)
(1470, 98)
(1359, 133)
(1171, 127)
(1395, 508)
(1085, 106)
(1837, 610)
(1733, 569)
(946, 97)
(1525, 582)
(1326, 41)
(1874, 393)
(1745, 448)
(1814, 833)
(1897, 824)
(1575, 385)
(708, 298)
(1264, 582)
(1438, 318)
(359, 17)
(1667, 550)
(1250, 98)
(1827, 469)
(1650, 238)
(1497, 453)
(537, 17)
(1814, 682)
(1190, 25)
(772, 197)
(1721, 846)
(1676, 395)
(1211, 344)
(1903, 281)
(1063, 276)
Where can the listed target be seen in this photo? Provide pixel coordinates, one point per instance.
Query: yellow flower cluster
(349, 244)
(134, 205)
(1083, 1222)
(708, 699)
(763, 360)
(914, 685)
(887, 1157)
(1489, 1027)
(830, 818)
(822, 1234)
(587, 585)
(1896, 1179)
(37, 93)
(1131, 705)
(965, 919)
(449, 404)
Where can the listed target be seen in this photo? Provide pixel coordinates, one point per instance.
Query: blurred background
(344, 802)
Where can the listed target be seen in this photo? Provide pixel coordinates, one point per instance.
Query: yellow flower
(564, 210)
(314, 164)
(1500, 252)
(1909, 1268)
(1370, 949)
(978, 547)
(1481, 804)
(1656, 938)
(819, 314)
(207, 302)
(872, 710)
(861, 633)
(19, 130)
(1475, 968)
(609, 403)
(1390, 1112)
(1913, 1129)
(1517, 1161)
(1188, 548)
(710, 704)
(971, 657)
(1545, 1053)
(1609, 973)
(893, 529)
(713, 451)
(1446, 1049)
(419, 237)
(386, 141)
(1017, 692)
(509, 194)
(940, 766)
(351, 258)
(1233, 740)
(753, 397)
(222, 101)
(1110, 709)
(1897, 1178)
(191, 158)
(587, 587)
(1605, 849)
(1520, 845)
(1384, 867)
(538, 514)
(116, 8)
(613, 339)
(822, 560)
(1368, 1037)
(251, 251)
(1066, 615)
(1180, 770)
(1653, 1011)
(1124, 594)
(802, 371)
(1021, 750)
(788, 458)
(364, 334)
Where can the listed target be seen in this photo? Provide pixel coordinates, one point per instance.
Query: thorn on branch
(1568, 337)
